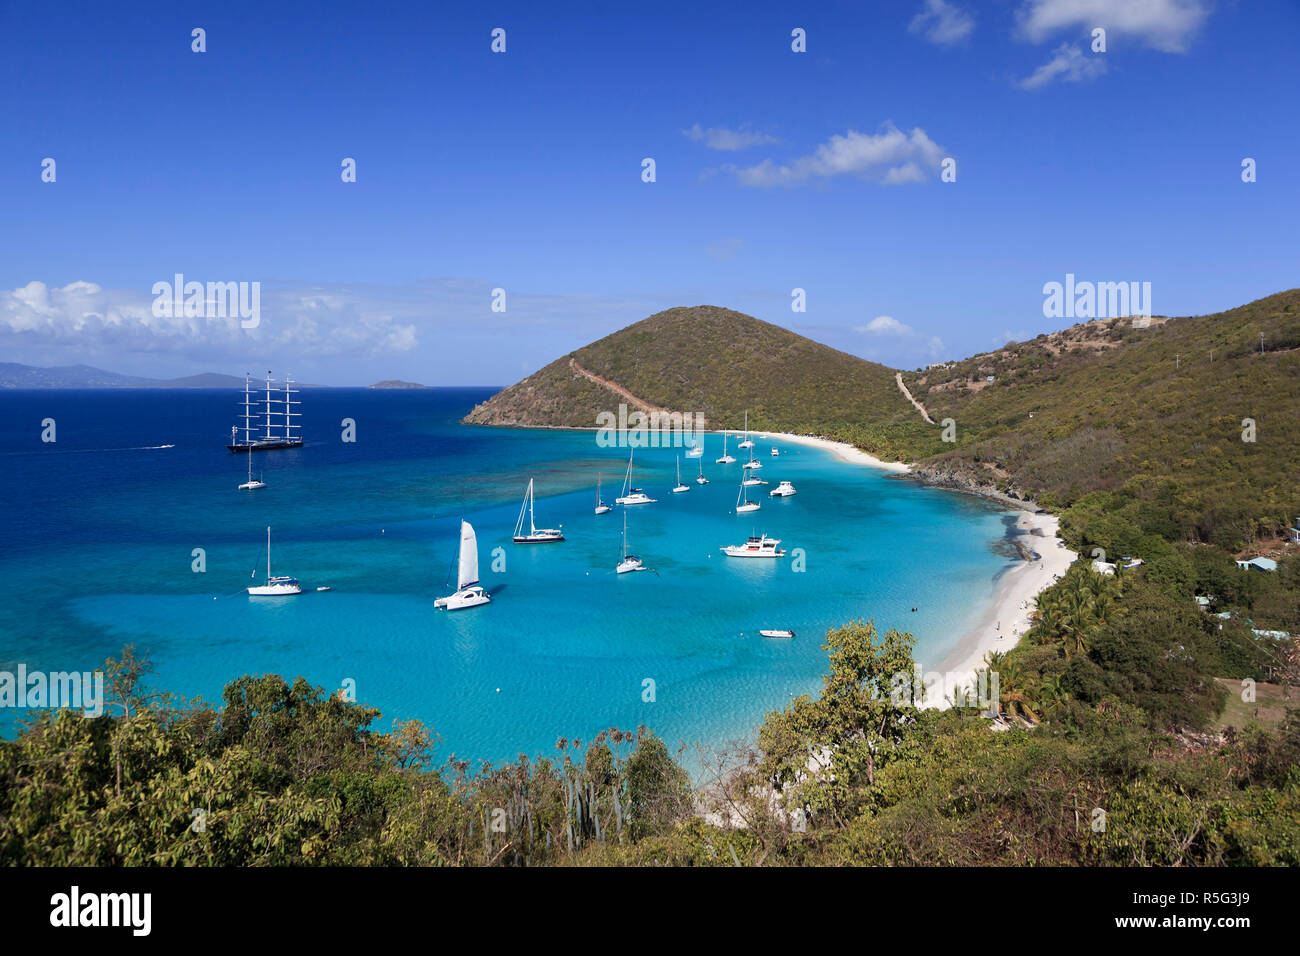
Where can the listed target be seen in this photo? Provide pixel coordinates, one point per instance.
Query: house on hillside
(1258, 564)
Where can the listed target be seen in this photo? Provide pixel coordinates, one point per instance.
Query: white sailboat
(753, 480)
(275, 586)
(627, 562)
(697, 450)
(753, 464)
(535, 534)
(748, 442)
(679, 487)
(725, 459)
(250, 484)
(700, 479)
(630, 495)
(601, 507)
(743, 504)
(469, 593)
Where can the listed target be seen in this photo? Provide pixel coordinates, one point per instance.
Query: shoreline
(841, 450)
(1013, 603)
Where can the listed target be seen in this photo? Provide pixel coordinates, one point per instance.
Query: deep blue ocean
(99, 529)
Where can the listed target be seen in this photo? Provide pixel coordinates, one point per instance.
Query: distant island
(16, 375)
(397, 383)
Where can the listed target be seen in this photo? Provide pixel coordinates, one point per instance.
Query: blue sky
(523, 171)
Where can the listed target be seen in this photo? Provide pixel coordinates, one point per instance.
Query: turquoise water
(96, 552)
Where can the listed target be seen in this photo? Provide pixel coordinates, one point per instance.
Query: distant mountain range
(14, 375)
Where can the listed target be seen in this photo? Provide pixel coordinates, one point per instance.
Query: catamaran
(250, 484)
(748, 442)
(275, 586)
(701, 480)
(783, 490)
(725, 459)
(535, 534)
(630, 495)
(627, 562)
(469, 593)
(679, 487)
(601, 507)
(277, 427)
(743, 504)
(760, 546)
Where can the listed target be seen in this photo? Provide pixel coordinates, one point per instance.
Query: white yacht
(776, 452)
(776, 632)
(679, 487)
(630, 495)
(748, 442)
(755, 547)
(743, 504)
(725, 459)
(275, 586)
(601, 507)
(783, 490)
(753, 480)
(250, 484)
(700, 479)
(697, 450)
(627, 562)
(535, 534)
(753, 464)
(469, 593)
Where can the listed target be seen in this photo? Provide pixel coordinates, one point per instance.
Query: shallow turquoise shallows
(101, 527)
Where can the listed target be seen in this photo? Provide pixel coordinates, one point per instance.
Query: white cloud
(890, 157)
(727, 140)
(1167, 25)
(1068, 63)
(935, 346)
(942, 22)
(884, 325)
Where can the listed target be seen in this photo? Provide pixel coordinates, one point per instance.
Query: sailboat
(469, 593)
(748, 442)
(697, 450)
(627, 562)
(701, 480)
(679, 487)
(630, 495)
(535, 534)
(725, 459)
(601, 507)
(274, 586)
(275, 434)
(753, 463)
(250, 484)
(743, 504)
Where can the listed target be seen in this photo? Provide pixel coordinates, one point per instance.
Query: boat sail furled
(277, 425)
(535, 534)
(275, 586)
(469, 593)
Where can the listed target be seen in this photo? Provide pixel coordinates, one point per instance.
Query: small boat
(755, 547)
(701, 480)
(324, 587)
(775, 632)
(469, 593)
(725, 459)
(783, 490)
(535, 534)
(752, 464)
(601, 507)
(748, 442)
(679, 487)
(630, 495)
(627, 562)
(753, 480)
(697, 450)
(776, 453)
(250, 484)
(275, 586)
(743, 504)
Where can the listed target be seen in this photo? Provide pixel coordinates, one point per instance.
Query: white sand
(1013, 603)
(841, 450)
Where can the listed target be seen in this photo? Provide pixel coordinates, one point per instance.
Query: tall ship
(268, 423)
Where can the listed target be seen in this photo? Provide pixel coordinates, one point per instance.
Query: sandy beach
(1013, 602)
(841, 450)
